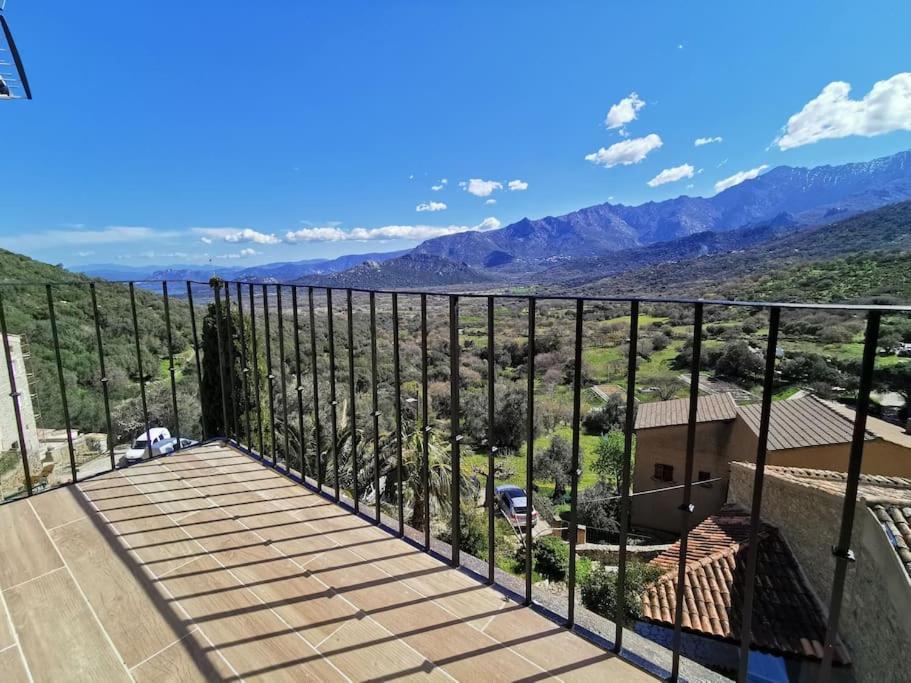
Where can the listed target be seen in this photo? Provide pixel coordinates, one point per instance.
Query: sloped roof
(876, 427)
(787, 617)
(676, 411)
(888, 497)
(800, 423)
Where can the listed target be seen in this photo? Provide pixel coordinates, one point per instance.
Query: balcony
(319, 531)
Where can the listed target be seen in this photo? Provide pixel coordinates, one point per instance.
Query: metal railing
(250, 436)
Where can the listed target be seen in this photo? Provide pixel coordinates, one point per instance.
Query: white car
(514, 504)
(157, 440)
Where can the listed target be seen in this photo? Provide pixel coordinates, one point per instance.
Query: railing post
(251, 295)
(171, 370)
(244, 368)
(314, 375)
(397, 390)
(768, 385)
(425, 431)
(686, 509)
(14, 396)
(333, 396)
(455, 419)
(374, 397)
(352, 400)
(574, 466)
(842, 551)
(202, 413)
(298, 383)
(139, 370)
(270, 375)
(63, 400)
(283, 376)
(530, 449)
(105, 392)
(625, 470)
(216, 286)
(491, 446)
(232, 379)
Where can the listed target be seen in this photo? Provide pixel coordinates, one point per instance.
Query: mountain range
(606, 239)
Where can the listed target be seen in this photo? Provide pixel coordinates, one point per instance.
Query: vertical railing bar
(232, 380)
(768, 384)
(171, 369)
(14, 396)
(139, 370)
(298, 383)
(283, 376)
(202, 413)
(397, 381)
(315, 378)
(254, 345)
(574, 467)
(625, 471)
(374, 397)
(270, 375)
(105, 391)
(216, 285)
(425, 432)
(686, 508)
(530, 448)
(333, 395)
(351, 399)
(63, 401)
(842, 552)
(455, 419)
(491, 446)
(244, 368)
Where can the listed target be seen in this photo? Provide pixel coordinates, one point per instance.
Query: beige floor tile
(20, 528)
(138, 619)
(60, 506)
(190, 659)
(12, 667)
(58, 634)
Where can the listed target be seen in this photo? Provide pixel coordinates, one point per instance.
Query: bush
(473, 536)
(599, 589)
(602, 420)
(551, 558)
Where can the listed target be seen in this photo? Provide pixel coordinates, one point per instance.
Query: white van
(157, 440)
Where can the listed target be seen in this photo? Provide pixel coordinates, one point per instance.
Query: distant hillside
(410, 270)
(808, 196)
(881, 233)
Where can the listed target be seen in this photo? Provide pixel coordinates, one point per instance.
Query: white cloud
(738, 178)
(624, 111)
(430, 206)
(833, 114)
(699, 142)
(480, 188)
(670, 175)
(206, 240)
(248, 252)
(237, 235)
(84, 253)
(679, 46)
(490, 201)
(437, 188)
(517, 185)
(386, 232)
(626, 152)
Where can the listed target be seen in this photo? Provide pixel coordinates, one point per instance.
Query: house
(806, 506)
(9, 434)
(804, 432)
(788, 624)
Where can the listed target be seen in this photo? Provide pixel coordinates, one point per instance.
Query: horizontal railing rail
(252, 381)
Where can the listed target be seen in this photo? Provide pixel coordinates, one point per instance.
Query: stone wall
(874, 620)
(610, 554)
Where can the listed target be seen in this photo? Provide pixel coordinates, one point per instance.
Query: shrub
(551, 558)
(473, 536)
(602, 420)
(599, 589)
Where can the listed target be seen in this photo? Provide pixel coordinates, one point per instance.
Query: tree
(599, 508)
(602, 420)
(599, 589)
(738, 361)
(555, 462)
(609, 456)
(551, 557)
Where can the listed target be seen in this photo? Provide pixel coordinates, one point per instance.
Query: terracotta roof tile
(676, 411)
(787, 618)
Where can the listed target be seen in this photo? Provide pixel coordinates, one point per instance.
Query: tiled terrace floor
(207, 565)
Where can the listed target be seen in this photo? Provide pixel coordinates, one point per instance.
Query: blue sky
(253, 132)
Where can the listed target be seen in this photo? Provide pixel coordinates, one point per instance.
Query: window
(664, 472)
